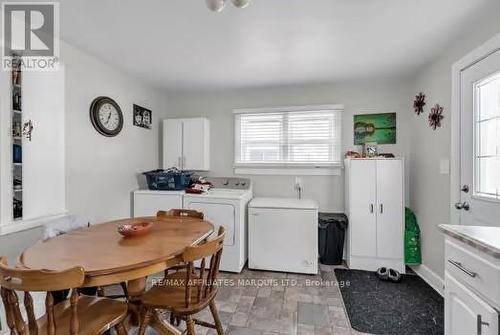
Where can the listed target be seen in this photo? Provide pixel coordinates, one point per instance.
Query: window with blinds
(298, 136)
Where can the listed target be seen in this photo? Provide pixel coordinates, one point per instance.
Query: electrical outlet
(444, 166)
(298, 183)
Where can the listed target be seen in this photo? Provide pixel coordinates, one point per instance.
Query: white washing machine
(283, 235)
(226, 205)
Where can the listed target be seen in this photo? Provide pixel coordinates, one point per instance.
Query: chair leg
(190, 325)
(120, 329)
(125, 289)
(172, 318)
(145, 319)
(215, 314)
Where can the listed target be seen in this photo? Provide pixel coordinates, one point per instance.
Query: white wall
(430, 190)
(101, 171)
(382, 96)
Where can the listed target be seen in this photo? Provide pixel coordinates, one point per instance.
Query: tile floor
(265, 303)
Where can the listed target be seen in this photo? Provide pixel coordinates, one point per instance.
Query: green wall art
(379, 128)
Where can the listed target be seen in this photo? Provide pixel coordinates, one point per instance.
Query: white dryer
(226, 205)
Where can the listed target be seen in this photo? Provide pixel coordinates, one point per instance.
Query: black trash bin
(331, 233)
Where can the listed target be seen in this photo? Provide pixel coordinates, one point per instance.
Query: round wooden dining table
(109, 258)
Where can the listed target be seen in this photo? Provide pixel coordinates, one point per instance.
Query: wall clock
(106, 116)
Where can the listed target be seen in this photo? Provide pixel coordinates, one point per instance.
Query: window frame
(285, 168)
(476, 138)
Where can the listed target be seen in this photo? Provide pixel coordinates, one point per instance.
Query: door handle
(371, 208)
(462, 205)
(462, 268)
(381, 208)
(480, 324)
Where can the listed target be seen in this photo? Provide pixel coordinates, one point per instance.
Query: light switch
(444, 166)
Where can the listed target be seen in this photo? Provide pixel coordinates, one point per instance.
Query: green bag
(413, 255)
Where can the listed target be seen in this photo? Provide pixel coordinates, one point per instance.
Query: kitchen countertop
(486, 239)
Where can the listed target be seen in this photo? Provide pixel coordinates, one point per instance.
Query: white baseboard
(430, 277)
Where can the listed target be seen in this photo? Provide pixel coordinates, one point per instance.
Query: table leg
(159, 324)
(135, 288)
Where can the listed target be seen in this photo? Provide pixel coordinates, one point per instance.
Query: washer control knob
(225, 182)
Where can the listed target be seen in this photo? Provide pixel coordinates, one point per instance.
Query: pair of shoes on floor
(384, 273)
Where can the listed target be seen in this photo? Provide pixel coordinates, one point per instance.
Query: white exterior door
(363, 211)
(480, 143)
(389, 208)
(43, 156)
(465, 313)
(172, 143)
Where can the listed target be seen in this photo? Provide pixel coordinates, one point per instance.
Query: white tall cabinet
(43, 178)
(186, 144)
(374, 200)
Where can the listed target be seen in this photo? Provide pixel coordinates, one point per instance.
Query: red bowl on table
(135, 229)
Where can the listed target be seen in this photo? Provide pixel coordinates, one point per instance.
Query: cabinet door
(172, 143)
(390, 208)
(362, 211)
(43, 156)
(466, 313)
(195, 140)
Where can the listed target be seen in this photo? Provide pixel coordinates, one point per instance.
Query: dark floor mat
(380, 307)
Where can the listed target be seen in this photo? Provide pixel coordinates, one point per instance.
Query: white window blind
(297, 136)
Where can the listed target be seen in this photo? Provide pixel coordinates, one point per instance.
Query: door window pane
(487, 138)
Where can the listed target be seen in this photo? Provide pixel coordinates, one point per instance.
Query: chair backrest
(16, 279)
(205, 281)
(180, 212)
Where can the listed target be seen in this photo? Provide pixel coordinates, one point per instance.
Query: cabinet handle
(480, 324)
(462, 268)
(371, 208)
(183, 161)
(381, 208)
(179, 162)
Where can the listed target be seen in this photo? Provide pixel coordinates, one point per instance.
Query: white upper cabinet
(186, 144)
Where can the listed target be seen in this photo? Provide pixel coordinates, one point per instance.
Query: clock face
(109, 117)
(106, 116)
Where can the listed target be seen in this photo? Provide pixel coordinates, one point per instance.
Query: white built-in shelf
(15, 111)
(17, 138)
(17, 164)
(16, 85)
(18, 190)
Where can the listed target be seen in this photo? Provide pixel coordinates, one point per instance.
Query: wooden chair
(185, 293)
(181, 212)
(81, 315)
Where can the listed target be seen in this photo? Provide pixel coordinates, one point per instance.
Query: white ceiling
(179, 44)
